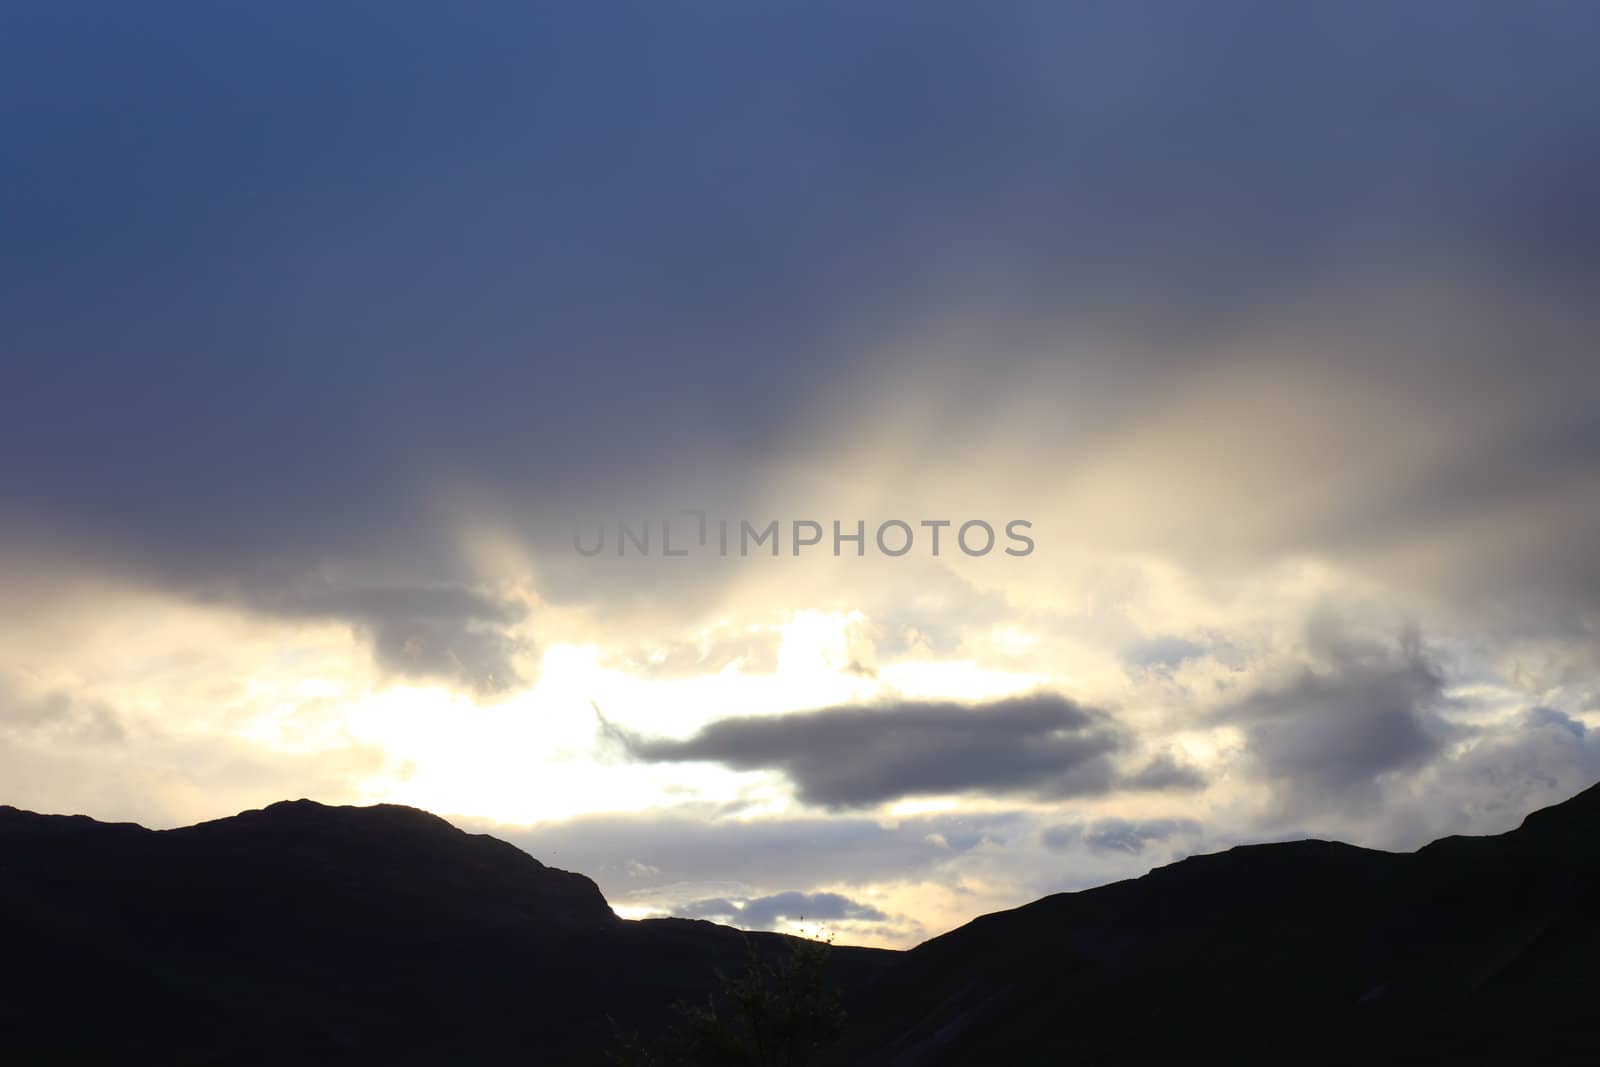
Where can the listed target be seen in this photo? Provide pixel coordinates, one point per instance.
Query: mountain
(1471, 950)
(310, 934)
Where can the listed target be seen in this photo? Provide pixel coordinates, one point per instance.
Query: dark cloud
(454, 633)
(765, 913)
(1357, 712)
(1541, 718)
(841, 757)
(1117, 835)
(1166, 772)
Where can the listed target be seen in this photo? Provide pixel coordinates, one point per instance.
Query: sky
(1260, 336)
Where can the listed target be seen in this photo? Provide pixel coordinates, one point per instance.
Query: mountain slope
(1475, 948)
(304, 933)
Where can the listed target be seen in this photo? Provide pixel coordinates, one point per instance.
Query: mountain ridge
(385, 933)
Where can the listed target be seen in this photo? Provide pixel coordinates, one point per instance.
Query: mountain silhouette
(302, 933)
(1470, 950)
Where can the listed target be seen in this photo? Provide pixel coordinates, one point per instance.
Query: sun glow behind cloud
(539, 755)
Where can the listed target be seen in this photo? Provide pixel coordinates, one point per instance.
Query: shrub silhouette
(780, 1011)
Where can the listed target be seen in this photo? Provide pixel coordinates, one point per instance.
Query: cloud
(766, 913)
(752, 651)
(1541, 717)
(638, 855)
(1536, 757)
(58, 716)
(1162, 653)
(441, 632)
(1355, 713)
(1117, 835)
(928, 872)
(1166, 772)
(849, 756)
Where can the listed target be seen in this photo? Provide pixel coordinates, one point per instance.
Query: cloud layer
(625, 271)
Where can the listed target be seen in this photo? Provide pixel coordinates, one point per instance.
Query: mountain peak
(393, 849)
